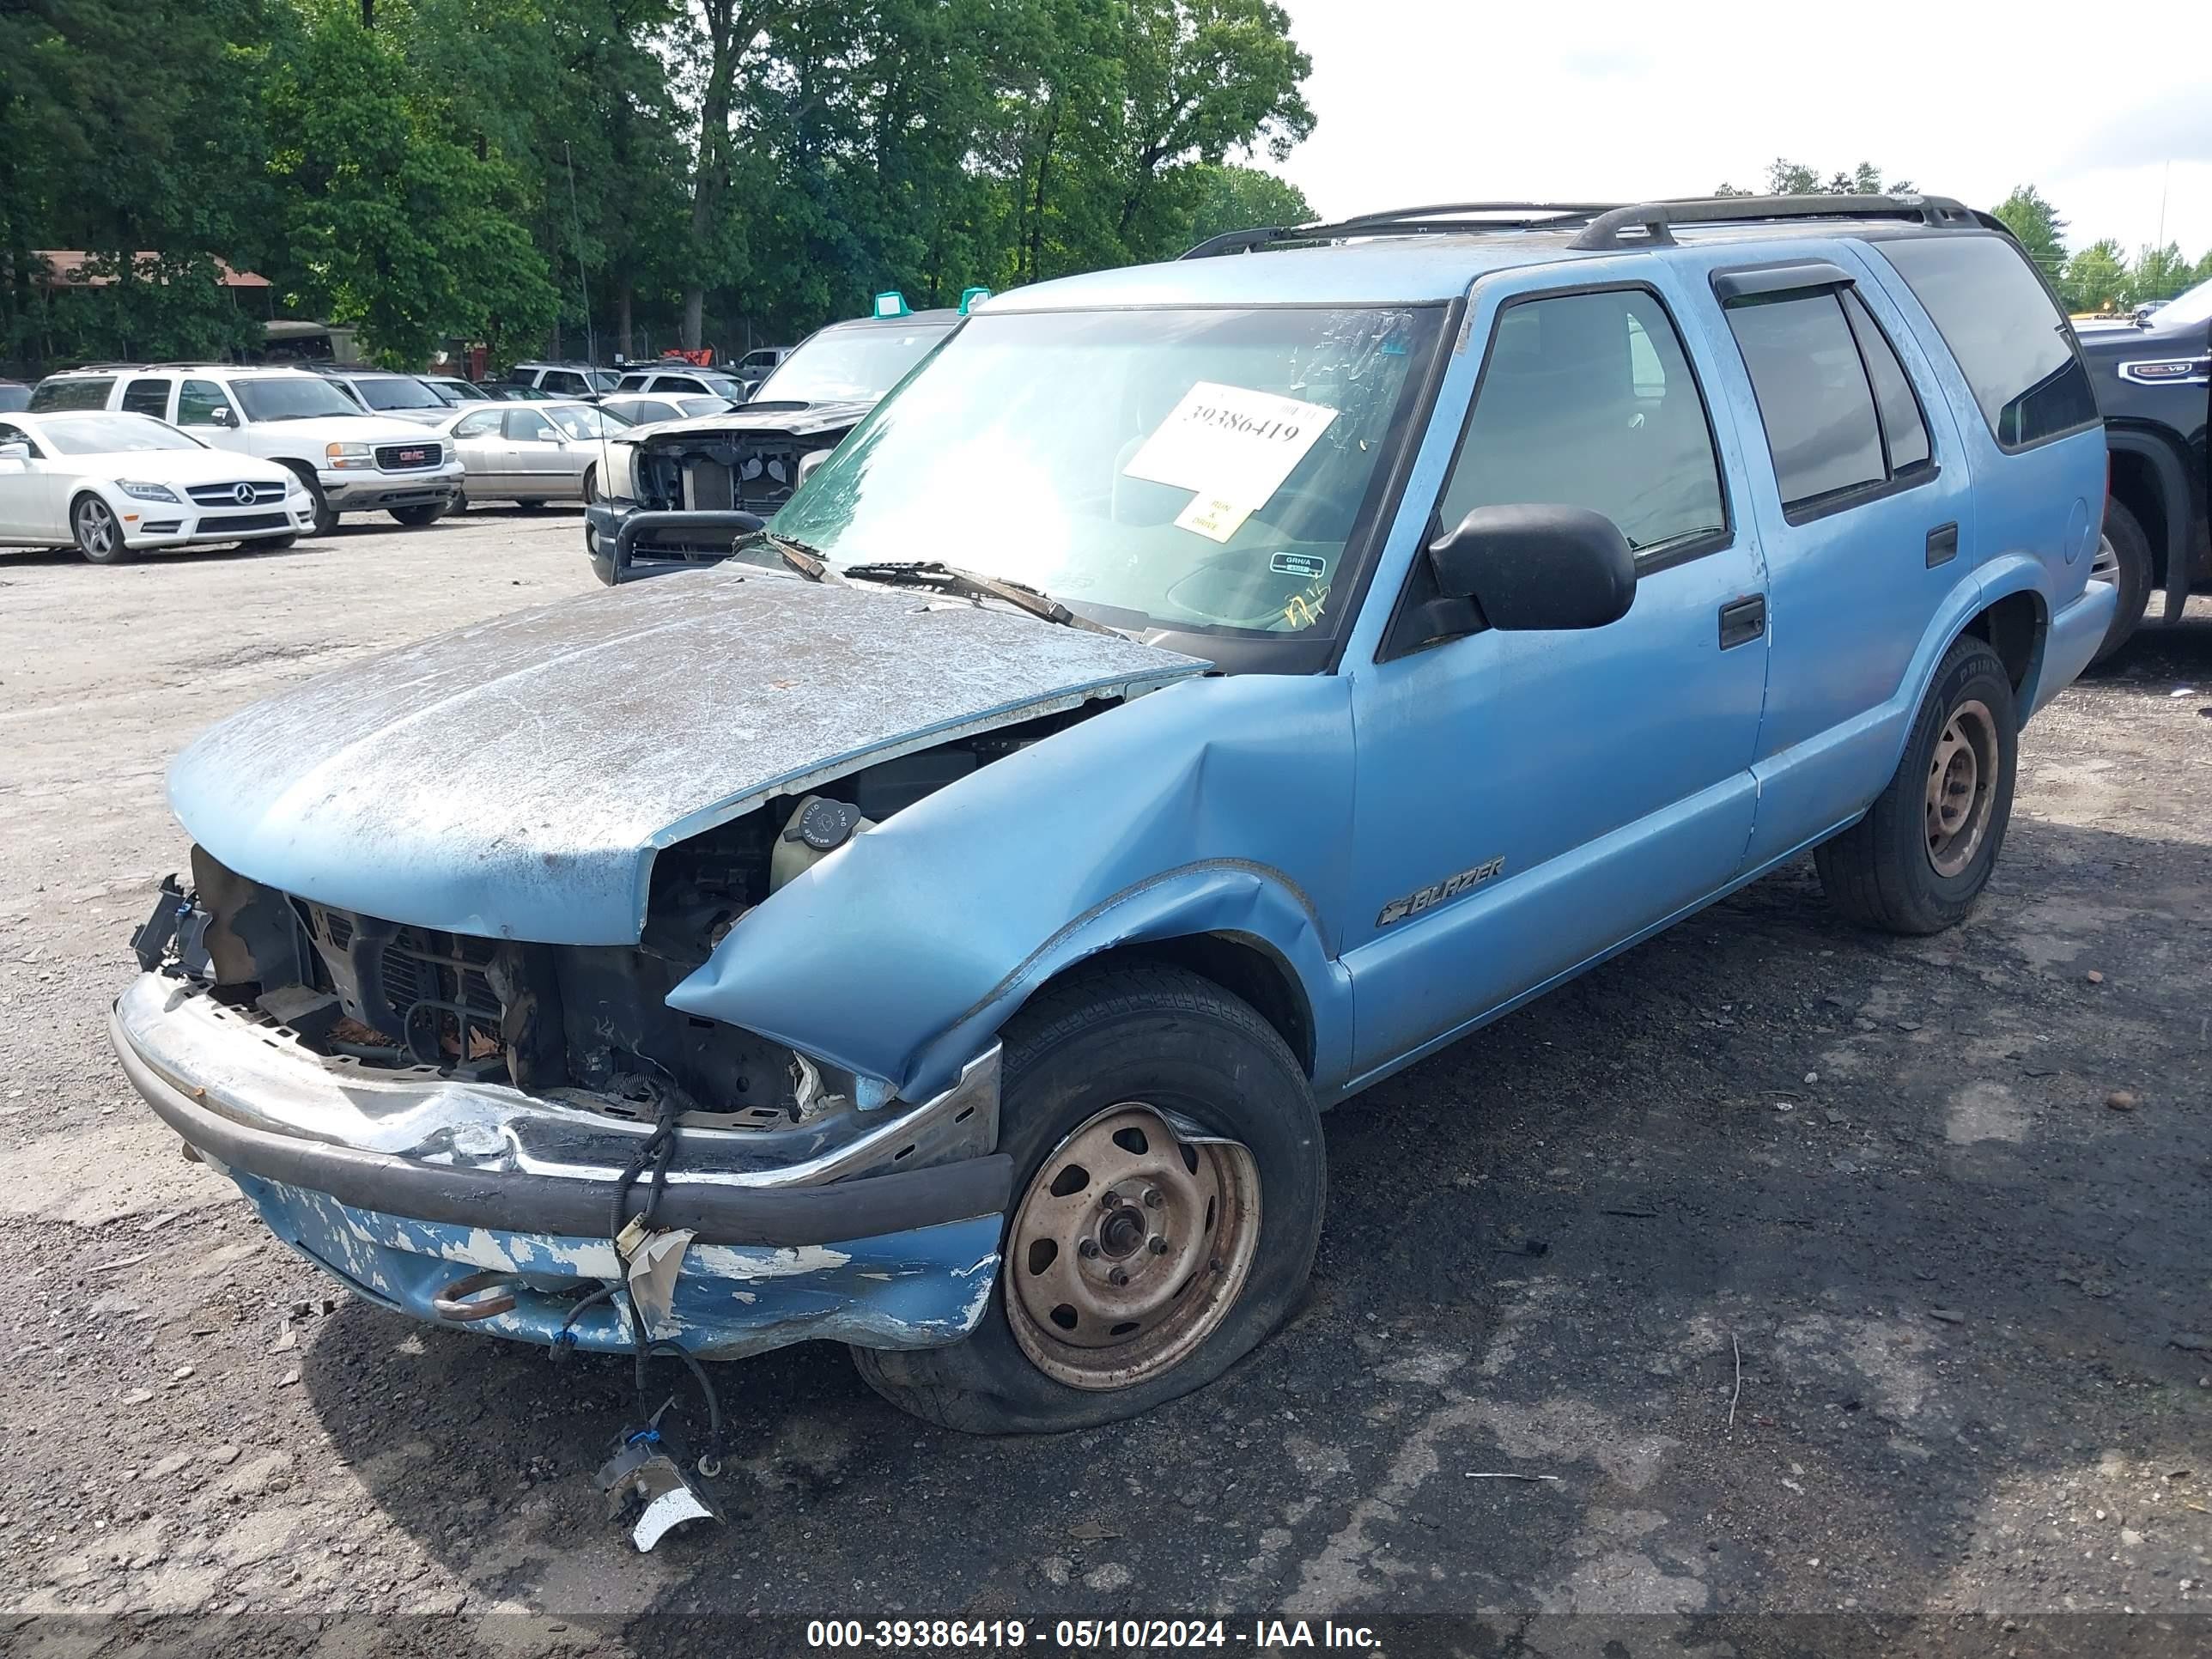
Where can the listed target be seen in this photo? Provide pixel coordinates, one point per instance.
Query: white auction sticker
(1233, 446)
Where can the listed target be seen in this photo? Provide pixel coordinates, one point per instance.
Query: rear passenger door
(1862, 503)
(1526, 801)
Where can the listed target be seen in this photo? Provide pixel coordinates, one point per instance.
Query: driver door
(1529, 801)
(204, 410)
(26, 493)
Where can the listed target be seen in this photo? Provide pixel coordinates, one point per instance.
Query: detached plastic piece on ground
(647, 1471)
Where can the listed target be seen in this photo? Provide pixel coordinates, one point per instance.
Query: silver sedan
(531, 452)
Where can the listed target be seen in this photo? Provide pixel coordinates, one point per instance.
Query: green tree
(403, 226)
(2159, 273)
(2036, 223)
(1787, 178)
(1234, 198)
(2096, 277)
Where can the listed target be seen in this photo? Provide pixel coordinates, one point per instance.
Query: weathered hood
(798, 420)
(515, 778)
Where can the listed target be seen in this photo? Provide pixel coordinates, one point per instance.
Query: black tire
(415, 517)
(2130, 572)
(326, 517)
(273, 544)
(97, 533)
(1168, 1037)
(529, 504)
(591, 484)
(1881, 871)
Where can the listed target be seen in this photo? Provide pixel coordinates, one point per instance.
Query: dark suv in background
(2153, 374)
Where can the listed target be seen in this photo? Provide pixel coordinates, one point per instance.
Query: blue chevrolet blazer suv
(1197, 692)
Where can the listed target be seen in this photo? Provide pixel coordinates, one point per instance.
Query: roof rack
(1440, 218)
(1654, 219)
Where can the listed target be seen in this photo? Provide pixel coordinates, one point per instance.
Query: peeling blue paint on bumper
(919, 1289)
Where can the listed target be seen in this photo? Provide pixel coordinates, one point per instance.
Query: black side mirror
(1537, 565)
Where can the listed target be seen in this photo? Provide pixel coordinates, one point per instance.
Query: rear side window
(1904, 428)
(2011, 344)
(1814, 398)
(78, 392)
(146, 397)
(527, 425)
(1587, 400)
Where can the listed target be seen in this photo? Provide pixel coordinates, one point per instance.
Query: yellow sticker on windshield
(1213, 517)
(1229, 444)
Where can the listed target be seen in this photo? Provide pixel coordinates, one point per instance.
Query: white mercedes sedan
(111, 484)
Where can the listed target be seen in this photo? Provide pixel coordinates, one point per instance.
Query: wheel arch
(1244, 964)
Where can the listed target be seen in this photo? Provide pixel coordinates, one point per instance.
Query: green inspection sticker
(1310, 566)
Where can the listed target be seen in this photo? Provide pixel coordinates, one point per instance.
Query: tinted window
(527, 425)
(146, 397)
(1589, 401)
(201, 403)
(559, 379)
(398, 391)
(15, 435)
(633, 382)
(1904, 431)
(1813, 399)
(650, 410)
(2011, 344)
(78, 391)
(677, 383)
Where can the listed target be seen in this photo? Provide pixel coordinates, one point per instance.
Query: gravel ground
(1876, 1199)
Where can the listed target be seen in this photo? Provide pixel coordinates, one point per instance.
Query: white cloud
(1611, 100)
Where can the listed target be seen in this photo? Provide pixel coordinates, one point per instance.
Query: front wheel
(1920, 857)
(98, 536)
(326, 516)
(1171, 1183)
(415, 517)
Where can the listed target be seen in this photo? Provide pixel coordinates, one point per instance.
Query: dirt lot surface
(1949, 1201)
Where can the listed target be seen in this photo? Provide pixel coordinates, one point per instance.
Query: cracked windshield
(1200, 469)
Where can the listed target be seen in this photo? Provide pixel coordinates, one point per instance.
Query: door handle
(1743, 620)
(1942, 544)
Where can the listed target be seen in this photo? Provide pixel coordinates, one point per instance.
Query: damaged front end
(464, 1128)
(686, 489)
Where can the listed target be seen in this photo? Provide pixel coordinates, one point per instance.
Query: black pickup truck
(679, 492)
(2153, 378)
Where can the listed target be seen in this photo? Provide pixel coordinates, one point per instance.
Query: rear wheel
(2123, 560)
(1171, 1181)
(1919, 857)
(591, 485)
(98, 533)
(415, 517)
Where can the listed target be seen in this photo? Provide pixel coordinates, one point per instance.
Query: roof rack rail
(1436, 219)
(1654, 219)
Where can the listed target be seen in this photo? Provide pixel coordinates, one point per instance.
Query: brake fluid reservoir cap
(826, 824)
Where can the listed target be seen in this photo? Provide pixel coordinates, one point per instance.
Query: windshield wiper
(973, 583)
(806, 560)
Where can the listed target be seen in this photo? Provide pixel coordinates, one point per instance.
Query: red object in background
(698, 357)
(479, 360)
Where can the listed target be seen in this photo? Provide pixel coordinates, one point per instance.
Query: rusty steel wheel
(1962, 775)
(1129, 1248)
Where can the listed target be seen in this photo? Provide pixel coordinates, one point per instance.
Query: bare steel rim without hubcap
(1962, 781)
(1129, 1249)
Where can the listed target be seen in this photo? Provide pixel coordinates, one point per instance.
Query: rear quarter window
(78, 392)
(2010, 340)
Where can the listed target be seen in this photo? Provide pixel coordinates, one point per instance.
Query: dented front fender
(1217, 805)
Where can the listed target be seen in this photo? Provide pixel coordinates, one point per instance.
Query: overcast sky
(1439, 100)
